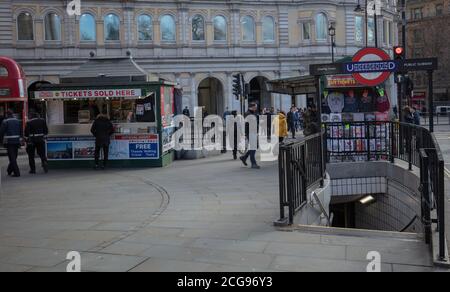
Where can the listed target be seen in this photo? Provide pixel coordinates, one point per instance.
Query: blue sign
(371, 67)
(144, 150)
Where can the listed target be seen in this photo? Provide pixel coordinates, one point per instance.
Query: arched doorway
(211, 96)
(259, 93)
(34, 105)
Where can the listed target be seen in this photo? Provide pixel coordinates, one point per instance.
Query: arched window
(268, 29)
(3, 71)
(248, 28)
(112, 27)
(321, 26)
(87, 27)
(220, 28)
(52, 27)
(198, 28)
(145, 27)
(168, 28)
(25, 27)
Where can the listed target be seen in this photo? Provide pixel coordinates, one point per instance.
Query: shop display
(348, 140)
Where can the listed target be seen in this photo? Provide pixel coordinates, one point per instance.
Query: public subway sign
(89, 93)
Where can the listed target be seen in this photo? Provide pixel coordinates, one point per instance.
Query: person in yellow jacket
(281, 128)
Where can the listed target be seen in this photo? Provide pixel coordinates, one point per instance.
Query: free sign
(371, 66)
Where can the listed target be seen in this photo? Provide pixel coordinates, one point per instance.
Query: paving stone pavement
(205, 215)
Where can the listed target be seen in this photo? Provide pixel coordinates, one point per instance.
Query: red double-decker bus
(13, 90)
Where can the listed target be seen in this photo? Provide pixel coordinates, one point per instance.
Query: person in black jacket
(102, 129)
(36, 131)
(291, 122)
(252, 137)
(10, 134)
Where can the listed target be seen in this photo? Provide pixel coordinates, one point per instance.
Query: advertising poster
(167, 139)
(122, 147)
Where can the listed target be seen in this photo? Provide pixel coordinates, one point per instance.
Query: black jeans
(13, 152)
(252, 154)
(38, 146)
(105, 148)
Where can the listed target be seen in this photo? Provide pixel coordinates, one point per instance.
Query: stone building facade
(198, 44)
(427, 35)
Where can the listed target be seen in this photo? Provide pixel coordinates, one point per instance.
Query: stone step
(358, 232)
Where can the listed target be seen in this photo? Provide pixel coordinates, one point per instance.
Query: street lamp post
(332, 33)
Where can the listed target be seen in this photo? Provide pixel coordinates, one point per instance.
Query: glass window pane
(25, 27)
(112, 27)
(321, 26)
(52, 27)
(248, 28)
(268, 29)
(359, 29)
(87, 28)
(198, 28)
(220, 28)
(371, 30)
(168, 29)
(145, 28)
(306, 31)
(3, 72)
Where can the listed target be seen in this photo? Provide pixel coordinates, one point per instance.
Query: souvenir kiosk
(355, 109)
(141, 111)
(12, 89)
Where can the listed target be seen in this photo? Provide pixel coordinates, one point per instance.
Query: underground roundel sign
(371, 55)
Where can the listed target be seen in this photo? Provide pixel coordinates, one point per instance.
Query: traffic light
(237, 85)
(399, 53)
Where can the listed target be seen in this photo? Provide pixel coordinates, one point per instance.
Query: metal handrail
(322, 208)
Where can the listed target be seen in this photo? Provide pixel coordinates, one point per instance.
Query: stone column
(209, 33)
(100, 33)
(156, 33)
(259, 34)
(39, 32)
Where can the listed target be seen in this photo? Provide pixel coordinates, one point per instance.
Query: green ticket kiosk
(141, 111)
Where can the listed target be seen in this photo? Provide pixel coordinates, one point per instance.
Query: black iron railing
(372, 141)
(416, 145)
(301, 165)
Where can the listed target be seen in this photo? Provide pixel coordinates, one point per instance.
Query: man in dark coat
(252, 137)
(36, 131)
(291, 122)
(10, 134)
(102, 129)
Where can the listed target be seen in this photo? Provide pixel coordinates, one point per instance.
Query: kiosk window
(119, 111)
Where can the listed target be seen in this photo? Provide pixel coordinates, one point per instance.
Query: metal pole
(430, 100)
(376, 24)
(332, 49)
(404, 25)
(367, 25)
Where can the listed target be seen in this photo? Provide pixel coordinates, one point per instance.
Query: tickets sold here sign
(89, 93)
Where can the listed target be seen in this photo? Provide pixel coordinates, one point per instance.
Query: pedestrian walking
(281, 127)
(252, 137)
(234, 139)
(186, 112)
(10, 134)
(416, 116)
(36, 131)
(102, 129)
(407, 115)
(291, 122)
